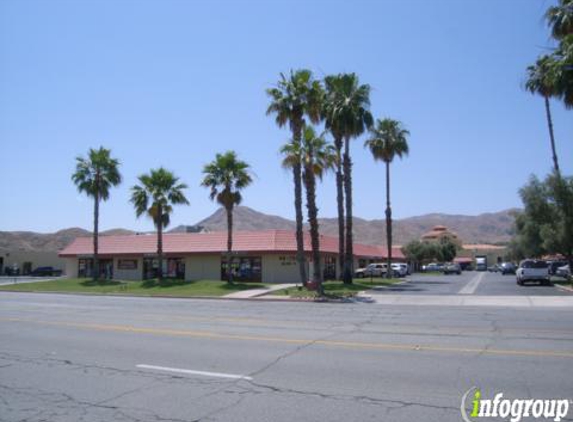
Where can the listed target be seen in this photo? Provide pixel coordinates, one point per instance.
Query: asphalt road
(471, 283)
(84, 358)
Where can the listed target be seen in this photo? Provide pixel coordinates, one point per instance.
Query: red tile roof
(215, 242)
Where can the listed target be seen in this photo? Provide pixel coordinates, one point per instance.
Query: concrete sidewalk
(251, 293)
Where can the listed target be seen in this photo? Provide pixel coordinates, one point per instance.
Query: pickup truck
(533, 270)
(46, 272)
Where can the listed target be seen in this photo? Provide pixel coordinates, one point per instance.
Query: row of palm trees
(158, 191)
(552, 74)
(342, 104)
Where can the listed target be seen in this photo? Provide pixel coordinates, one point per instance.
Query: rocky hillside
(484, 228)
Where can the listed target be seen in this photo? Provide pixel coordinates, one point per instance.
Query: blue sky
(171, 83)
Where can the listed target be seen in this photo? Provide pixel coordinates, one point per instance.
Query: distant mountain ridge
(484, 228)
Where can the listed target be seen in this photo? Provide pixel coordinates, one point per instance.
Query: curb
(254, 299)
(564, 288)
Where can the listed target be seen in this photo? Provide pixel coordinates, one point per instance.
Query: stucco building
(265, 256)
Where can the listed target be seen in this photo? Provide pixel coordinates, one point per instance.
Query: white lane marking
(470, 288)
(192, 372)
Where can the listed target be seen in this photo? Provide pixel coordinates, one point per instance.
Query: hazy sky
(171, 83)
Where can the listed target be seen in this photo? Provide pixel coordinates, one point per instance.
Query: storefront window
(172, 268)
(329, 267)
(86, 268)
(244, 268)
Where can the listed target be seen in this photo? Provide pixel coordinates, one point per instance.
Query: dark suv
(507, 268)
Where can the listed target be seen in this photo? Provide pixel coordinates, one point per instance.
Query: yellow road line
(327, 343)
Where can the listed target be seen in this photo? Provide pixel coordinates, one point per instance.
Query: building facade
(265, 256)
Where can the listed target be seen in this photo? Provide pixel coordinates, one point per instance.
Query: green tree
(542, 80)
(294, 98)
(315, 156)
(226, 176)
(346, 109)
(447, 249)
(545, 226)
(155, 196)
(95, 175)
(388, 139)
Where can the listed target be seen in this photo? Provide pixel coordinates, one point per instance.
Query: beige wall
(135, 274)
(203, 267)
(38, 259)
(280, 268)
(71, 267)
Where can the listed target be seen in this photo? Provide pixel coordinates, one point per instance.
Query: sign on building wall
(287, 260)
(127, 264)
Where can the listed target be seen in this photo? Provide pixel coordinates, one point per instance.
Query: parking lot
(470, 283)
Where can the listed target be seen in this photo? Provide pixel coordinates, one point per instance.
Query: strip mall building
(265, 256)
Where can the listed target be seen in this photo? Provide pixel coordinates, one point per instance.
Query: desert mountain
(46, 242)
(483, 228)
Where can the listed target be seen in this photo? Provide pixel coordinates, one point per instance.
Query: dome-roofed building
(439, 232)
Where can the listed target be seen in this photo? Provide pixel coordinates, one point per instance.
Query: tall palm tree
(347, 109)
(315, 156)
(331, 124)
(541, 80)
(226, 176)
(294, 98)
(560, 19)
(95, 175)
(388, 139)
(155, 196)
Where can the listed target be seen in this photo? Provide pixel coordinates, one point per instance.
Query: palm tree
(155, 196)
(330, 123)
(388, 139)
(347, 110)
(295, 97)
(563, 67)
(541, 79)
(315, 156)
(560, 19)
(226, 176)
(95, 175)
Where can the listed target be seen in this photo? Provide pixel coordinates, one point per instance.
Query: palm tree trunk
(349, 255)
(229, 244)
(551, 136)
(160, 245)
(96, 237)
(340, 202)
(310, 185)
(388, 222)
(297, 177)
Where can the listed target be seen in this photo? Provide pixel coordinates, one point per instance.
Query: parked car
(46, 272)
(371, 270)
(507, 268)
(433, 267)
(554, 265)
(452, 268)
(532, 270)
(400, 269)
(563, 271)
(494, 268)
